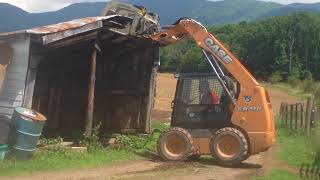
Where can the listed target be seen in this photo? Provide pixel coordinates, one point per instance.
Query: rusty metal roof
(52, 33)
(66, 25)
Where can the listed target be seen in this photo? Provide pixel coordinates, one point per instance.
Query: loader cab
(200, 102)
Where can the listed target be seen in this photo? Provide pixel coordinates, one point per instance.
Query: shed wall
(123, 94)
(15, 77)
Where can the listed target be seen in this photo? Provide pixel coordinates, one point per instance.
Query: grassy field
(58, 158)
(61, 159)
(296, 92)
(278, 174)
(295, 149)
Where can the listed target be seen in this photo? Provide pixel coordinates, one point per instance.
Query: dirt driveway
(149, 169)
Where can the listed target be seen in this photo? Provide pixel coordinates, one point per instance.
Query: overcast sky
(51, 5)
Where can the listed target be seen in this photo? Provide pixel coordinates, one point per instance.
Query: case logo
(218, 50)
(247, 99)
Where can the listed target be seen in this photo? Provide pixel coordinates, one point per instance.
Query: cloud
(293, 1)
(44, 5)
(52, 5)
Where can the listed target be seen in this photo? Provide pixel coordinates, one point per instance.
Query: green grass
(295, 148)
(55, 159)
(277, 174)
(61, 159)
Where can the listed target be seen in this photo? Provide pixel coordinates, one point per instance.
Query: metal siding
(14, 83)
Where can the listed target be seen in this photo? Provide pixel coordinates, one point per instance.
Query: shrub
(307, 76)
(93, 142)
(50, 141)
(308, 86)
(275, 77)
(294, 77)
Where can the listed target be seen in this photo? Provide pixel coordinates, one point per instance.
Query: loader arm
(252, 111)
(189, 28)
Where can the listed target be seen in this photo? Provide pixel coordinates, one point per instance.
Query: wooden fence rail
(298, 117)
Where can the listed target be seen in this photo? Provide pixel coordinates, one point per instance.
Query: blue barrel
(3, 150)
(28, 126)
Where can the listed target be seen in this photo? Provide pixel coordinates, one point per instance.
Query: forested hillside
(281, 46)
(207, 12)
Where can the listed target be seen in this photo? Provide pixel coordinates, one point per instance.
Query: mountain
(292, 8)
(13, 18)
(207, 12)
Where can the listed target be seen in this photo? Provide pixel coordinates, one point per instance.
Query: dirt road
(204, 169)
(154, 169)
(149, 169)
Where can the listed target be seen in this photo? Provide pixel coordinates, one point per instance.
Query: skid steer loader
(212, 114)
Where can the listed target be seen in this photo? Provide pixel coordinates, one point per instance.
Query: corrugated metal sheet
(67, 25)
(60, 26)
(52, 33)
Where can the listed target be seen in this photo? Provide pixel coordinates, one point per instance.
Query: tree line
(280, 47)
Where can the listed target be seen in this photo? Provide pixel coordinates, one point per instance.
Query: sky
(52, 5)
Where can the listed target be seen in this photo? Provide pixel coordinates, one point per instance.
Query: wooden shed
(48, 69)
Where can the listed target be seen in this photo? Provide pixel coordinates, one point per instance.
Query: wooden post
(281, 107)
(308, 115)
(92, 81)
(282, 114)
(287, 111)
(296, 116)
(291, 116)
(301, 118)
(313, 117)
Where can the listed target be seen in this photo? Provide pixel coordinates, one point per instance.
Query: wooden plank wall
(123, 95)
(124, 91)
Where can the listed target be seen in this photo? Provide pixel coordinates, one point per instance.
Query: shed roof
(56, 32)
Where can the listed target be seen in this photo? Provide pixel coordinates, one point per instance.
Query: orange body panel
(202, 146)
(252, 112)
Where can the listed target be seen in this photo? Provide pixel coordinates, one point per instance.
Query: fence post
(313, 117)
(291, 117)
(301, 118)
(308, 114)
(281, 114)
(296, 116)
(287, 111)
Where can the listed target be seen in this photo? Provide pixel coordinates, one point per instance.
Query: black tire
(175, 145)
(229, 147)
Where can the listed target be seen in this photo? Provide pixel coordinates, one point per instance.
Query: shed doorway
(124, 88)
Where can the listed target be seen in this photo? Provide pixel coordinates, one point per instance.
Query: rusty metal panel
(74, 24)
(47, 39)
(52, 33)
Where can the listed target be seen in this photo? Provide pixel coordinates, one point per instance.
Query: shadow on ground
(203, 161)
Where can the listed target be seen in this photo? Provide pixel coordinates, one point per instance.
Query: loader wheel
(229, 146)
(175, 145)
